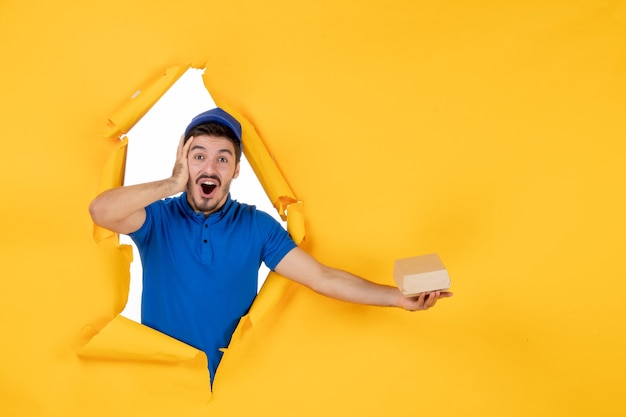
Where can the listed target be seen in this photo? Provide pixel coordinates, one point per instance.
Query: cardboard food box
(420, 274)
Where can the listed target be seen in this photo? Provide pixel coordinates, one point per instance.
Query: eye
(198, 157)
(222, 159)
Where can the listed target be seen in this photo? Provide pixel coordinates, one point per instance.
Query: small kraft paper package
(420, 274)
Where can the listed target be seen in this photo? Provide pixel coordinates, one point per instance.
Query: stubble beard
(207, 205)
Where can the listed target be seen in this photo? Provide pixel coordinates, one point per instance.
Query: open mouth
(208, 185)
(208, 188)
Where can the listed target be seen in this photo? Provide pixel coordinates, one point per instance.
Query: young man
(201, 250)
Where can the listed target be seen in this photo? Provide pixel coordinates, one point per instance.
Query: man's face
(212, 167)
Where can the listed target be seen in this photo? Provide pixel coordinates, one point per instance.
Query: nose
(209, 167)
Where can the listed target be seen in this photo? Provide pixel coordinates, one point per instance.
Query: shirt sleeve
(140, 236)
(278, 243)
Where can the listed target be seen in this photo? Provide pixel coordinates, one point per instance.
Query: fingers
(188, 143)
(183, 152)
(180, 173)
(421, 302)
(431, 299)
(426, 300)
(183, 147)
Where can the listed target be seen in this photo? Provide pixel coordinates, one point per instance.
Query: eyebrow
(223, 150)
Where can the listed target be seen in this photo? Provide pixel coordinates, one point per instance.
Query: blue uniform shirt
(200, 274)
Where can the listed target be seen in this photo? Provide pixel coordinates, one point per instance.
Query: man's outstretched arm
(301, 267)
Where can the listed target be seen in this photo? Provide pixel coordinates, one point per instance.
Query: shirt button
(204, 240)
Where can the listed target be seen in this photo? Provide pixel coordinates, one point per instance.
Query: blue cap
(216, 115)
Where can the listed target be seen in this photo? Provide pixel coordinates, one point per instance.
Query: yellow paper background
(491, 133)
